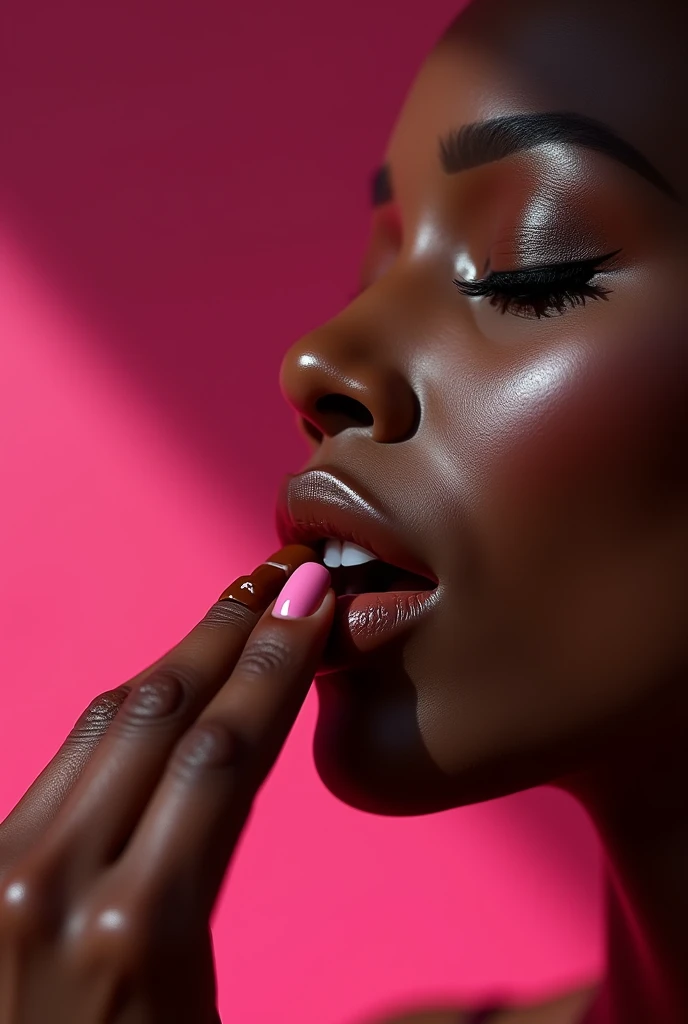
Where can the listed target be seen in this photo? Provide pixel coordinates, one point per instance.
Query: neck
(639, 807)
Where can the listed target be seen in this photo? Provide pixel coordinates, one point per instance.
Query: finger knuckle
(108, 935)
(206, 745)
(158, 696)
(265, 657)
(232, 614)
(24, 903)
(97, 717)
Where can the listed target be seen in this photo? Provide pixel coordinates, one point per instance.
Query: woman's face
(530, 458)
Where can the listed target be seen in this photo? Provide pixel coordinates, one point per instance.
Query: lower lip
(365, 622)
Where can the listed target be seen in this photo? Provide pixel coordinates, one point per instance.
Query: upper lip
(320, 503)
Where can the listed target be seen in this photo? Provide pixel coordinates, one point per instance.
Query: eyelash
(539, 289)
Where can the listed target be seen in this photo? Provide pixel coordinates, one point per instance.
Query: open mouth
(355, 570)
(376, 601)
(384, 586)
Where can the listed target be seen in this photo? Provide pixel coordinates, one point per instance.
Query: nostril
(342, 411)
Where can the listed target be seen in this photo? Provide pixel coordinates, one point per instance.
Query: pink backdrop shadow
(183, 192)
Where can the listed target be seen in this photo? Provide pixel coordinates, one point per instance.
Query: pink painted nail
(304, 591)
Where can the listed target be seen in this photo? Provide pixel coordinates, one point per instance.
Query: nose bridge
(350, 372)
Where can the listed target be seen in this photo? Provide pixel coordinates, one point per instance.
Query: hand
(111, 863)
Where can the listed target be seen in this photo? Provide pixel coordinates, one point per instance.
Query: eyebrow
(483, 142)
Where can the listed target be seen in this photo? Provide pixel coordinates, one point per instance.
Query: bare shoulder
(567, 1008)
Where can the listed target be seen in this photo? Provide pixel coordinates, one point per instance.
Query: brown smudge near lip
(264, 584)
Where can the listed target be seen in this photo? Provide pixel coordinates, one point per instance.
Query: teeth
(352, 554)
(338, 553)
(333, 554)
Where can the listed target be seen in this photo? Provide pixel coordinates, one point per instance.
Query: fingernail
(303, 593)
(290, 557)
(257, 590)
(263, 585)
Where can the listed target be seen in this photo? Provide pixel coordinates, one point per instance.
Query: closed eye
(532, 292)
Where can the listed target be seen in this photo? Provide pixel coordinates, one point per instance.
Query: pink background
(183, 192)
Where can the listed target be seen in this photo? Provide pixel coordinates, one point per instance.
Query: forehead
(594, 57)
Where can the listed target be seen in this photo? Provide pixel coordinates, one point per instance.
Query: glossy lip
(320, 503)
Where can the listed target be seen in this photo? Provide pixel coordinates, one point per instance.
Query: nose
(342, 378)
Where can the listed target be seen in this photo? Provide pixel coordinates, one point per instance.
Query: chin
(369, 752)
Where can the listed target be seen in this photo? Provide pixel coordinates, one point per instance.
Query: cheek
(596, 430)
(576, 469)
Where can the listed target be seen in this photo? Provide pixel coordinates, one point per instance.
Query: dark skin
(111, 863)
(534, 466)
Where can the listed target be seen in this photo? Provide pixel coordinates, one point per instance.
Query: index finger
(97, 790)
(187, 836)
(212, 647)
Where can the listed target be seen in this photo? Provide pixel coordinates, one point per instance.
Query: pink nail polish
(303, 592)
